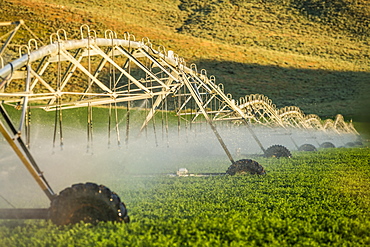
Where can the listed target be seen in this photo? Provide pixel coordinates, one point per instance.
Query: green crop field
(312, 199)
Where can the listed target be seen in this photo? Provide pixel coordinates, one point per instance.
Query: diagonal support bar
(24, 154)
(198, 100)
(127, 74)
(84, 70)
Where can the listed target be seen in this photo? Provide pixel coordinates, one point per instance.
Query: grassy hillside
(313, 54)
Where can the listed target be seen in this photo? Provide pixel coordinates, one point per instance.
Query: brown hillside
(262, 48)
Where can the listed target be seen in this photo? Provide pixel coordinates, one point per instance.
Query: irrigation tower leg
(254, 136)
(24, 155)
(291, 138)
(198, 101)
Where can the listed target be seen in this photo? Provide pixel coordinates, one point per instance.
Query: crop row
(318, 199)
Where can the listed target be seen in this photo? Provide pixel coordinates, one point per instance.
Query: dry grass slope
(313, 54)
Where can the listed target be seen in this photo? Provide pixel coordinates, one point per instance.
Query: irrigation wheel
(244, 166)
(307, 148)
(90, 203)
(350, 144)
(327, 145)
(277, 151)
(358, 143)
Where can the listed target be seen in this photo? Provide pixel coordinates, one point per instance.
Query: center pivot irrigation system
(114, 73)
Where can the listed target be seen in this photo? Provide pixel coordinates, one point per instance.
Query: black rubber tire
(277, 151)
(90, 203)
(350, 144)
(327, 145)
(358, 143)
(245, 166)
(307, 148)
